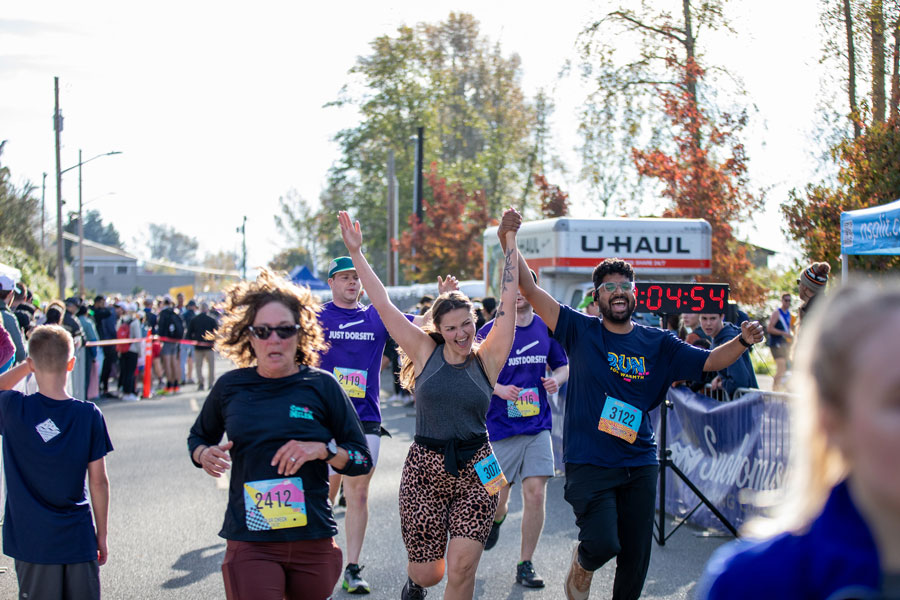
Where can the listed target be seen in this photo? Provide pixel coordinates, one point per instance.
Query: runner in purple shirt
(519, 423)
(356, 338)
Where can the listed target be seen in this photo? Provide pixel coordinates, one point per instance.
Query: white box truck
(563, 251)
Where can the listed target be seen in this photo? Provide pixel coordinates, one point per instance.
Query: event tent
(303, 276)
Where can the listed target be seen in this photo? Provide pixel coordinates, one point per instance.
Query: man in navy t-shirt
(50, 441)
(618, 372)
(519, 424)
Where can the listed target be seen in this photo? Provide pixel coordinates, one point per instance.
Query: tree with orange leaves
(449, 238)
(702, 184)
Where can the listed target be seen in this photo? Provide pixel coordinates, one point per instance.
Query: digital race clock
(678, 298)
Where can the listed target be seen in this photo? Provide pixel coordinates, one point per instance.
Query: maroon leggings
(306, 569)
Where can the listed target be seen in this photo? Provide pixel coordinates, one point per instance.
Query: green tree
(300, 225)
(289, 258)
(866, 156)
(168, 244)
(451, 80)
(20, 213)
(630, 57)
(94, 230)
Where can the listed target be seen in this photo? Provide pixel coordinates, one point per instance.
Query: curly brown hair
(243, 300)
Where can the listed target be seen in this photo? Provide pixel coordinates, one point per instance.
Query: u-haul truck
(563, 251)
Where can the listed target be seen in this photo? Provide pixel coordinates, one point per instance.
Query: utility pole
(43, 193)
(80, 234)
(420, 158)
(60, 264)
(393, 262)
(243, 231)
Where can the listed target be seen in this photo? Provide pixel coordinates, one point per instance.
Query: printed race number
(528, 404)
(352, 380)
(490, 474)
(620, 419)
(274, 504)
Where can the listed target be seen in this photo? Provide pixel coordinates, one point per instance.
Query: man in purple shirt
(519, 423)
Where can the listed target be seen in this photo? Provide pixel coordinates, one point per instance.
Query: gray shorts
(169, 349)
(523, 456)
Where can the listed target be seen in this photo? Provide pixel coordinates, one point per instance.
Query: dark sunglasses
(263, 332)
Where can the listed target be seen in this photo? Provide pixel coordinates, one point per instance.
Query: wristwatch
(331, 448)
(745, 344)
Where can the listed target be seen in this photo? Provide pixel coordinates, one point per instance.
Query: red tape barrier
(148, 338)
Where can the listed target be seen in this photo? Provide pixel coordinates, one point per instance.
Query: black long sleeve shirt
(260, 415)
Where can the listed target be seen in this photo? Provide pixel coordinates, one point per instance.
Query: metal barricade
(720, 395)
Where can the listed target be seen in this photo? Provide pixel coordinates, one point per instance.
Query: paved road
(165, 515)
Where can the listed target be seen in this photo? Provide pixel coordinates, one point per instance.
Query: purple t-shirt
(356, 337)
(532, 351)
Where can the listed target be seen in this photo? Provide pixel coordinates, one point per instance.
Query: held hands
(215, 460)
(350, 231)
(507, 392)
(294, 454)
(510, 223)
(550, 384)
(450, 284)
(752, 332)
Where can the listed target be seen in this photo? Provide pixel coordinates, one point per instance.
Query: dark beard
(606, 312)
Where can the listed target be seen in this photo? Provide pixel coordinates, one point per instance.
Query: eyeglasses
(610, 286)
(264, 332)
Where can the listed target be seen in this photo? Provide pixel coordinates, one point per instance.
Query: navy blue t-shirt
(614, 381)
(47, 445)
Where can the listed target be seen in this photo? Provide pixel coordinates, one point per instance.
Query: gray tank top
(452, 400)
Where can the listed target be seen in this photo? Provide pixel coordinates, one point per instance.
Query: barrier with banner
(727, 449)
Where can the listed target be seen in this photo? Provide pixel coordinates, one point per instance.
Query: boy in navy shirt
(50, 440)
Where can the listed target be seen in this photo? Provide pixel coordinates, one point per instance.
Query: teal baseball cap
(341, 263)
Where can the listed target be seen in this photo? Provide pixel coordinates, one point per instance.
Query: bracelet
(200, 456)
(745, 344)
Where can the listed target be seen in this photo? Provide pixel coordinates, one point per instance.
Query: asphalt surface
(165, 515)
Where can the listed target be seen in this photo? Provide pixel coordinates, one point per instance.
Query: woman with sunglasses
(286, 421)
(451, 479)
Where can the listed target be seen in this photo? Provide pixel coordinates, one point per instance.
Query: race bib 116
(528, 404)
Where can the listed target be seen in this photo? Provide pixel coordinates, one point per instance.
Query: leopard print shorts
(436, 506)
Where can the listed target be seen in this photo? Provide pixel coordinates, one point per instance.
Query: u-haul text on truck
(563, 251)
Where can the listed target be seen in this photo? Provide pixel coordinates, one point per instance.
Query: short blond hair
(51, 347)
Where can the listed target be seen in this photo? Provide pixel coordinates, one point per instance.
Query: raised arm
(724, 355)
(416, 343)
(545, 305)
(494, 351)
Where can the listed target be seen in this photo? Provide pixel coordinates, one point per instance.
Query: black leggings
(614, 511)
(127, 365)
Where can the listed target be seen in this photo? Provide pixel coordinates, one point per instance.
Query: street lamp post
(81, 218)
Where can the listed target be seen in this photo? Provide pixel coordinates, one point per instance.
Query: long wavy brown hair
(445, 303)
(243, 300)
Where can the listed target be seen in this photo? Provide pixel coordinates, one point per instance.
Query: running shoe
(527, 576)
(130, 398)
(353, 583)
(494, 535)
(412, 591)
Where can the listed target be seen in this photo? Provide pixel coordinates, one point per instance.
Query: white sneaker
(130, 398)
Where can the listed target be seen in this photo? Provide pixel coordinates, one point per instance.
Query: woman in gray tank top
(451, 478)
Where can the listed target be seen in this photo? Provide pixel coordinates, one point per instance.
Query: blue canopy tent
(303, 276)
(874, 230)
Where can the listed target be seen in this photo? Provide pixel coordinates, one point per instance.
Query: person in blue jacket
(738, 374)
(836, 535)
